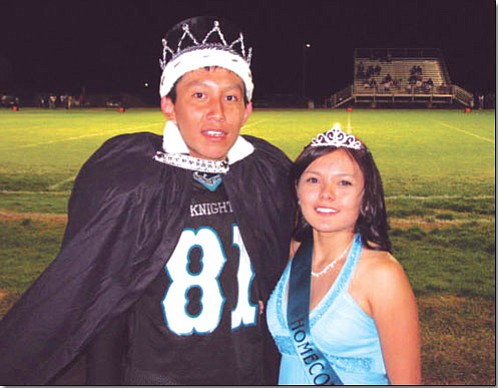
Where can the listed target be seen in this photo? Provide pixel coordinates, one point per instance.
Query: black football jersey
(198, 322)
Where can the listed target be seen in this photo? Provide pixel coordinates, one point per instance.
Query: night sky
(113, 46)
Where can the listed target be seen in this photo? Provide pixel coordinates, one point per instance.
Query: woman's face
(330, 192)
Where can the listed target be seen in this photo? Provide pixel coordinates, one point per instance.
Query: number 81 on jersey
(212, 299)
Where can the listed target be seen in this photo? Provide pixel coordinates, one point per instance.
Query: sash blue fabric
(318, 370)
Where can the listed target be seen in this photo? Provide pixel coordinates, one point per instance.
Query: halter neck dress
(345, 334)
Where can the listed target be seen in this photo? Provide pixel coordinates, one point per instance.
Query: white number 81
(212, 259)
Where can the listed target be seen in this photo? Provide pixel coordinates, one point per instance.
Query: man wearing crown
(173, 244)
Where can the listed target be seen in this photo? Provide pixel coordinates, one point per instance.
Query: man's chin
(215, 156)
(217, 152)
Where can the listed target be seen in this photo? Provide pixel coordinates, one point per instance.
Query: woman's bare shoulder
(380, 265)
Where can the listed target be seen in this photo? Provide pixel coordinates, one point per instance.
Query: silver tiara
(188, 42)
(337, 138)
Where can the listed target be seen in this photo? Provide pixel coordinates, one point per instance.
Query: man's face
(209, 111)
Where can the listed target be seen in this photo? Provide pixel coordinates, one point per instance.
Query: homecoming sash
(317, 368)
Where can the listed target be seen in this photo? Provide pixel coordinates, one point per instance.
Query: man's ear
(168, 108)
(247, 113)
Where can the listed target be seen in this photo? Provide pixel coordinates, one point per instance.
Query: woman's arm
(394, 310)
(294, 245)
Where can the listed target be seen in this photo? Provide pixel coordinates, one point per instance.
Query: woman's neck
(328, 246)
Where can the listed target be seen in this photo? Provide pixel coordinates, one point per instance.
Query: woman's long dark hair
(372, 222)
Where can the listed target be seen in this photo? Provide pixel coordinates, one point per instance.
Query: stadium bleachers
(430, 84)
(400, 71)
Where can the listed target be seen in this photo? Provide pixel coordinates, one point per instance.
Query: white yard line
(464, 131)
(58, 184)
(109, 132)
(87, 135)
(252, 124)
(18, 192)
(414, 197)
(425, 198)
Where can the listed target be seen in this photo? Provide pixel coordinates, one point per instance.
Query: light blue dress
(345, 334)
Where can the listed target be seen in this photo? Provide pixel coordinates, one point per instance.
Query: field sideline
(438, 169)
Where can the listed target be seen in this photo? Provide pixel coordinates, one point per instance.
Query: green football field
(419, 152)
(438, 169)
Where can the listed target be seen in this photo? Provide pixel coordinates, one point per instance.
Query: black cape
(126, 213)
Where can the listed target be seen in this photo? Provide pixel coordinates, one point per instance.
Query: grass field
(438, 168)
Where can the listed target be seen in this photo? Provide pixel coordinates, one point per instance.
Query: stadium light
(303, 86)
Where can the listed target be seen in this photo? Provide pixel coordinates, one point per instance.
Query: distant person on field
(52, 100)
(344, 311)
(173, 244)
(481, 101)
(69, 102)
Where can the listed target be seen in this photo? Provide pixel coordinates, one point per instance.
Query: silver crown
(195, 44)
(337, 138)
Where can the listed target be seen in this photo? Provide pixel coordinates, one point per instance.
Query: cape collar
(173, 143)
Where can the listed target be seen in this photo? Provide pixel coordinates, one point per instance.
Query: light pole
(303, 86)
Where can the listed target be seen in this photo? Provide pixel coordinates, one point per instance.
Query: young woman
(343, 312)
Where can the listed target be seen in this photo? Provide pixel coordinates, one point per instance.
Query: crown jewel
(337, 138)
(213, 39)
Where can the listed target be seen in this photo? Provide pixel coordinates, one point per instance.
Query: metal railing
(463, 96)
(341, 97)
(437, 94)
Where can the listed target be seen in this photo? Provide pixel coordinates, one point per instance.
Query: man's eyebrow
(194, 83)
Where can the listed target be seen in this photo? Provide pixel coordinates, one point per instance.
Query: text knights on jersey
(202, 209)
